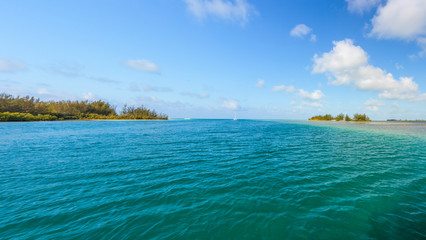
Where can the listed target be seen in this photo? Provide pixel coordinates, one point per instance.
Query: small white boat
(187, 118)
(235, 117)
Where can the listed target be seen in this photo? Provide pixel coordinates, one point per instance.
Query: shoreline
(74, 120)
(29, 109)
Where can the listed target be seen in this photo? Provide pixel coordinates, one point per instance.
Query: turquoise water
(211, 179)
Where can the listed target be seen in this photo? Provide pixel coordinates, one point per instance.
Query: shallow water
(211, 179)
(412, 129)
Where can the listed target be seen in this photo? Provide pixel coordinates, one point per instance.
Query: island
(406, 120)
(341, 117)
(31, 109)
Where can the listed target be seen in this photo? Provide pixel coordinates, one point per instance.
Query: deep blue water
(211, 179)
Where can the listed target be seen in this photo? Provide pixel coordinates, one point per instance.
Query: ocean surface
(212, 179)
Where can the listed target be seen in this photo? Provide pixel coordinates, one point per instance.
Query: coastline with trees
(33, 109)
(341, 117)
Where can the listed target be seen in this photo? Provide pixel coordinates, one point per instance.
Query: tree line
(33, 109)
(340, 117)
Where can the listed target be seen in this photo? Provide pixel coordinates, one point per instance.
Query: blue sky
(214, 58)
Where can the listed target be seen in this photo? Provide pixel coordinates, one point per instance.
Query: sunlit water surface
(212, 179)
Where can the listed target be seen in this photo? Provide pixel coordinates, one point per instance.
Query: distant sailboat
(235, 116)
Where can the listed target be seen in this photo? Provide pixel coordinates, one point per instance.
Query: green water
(212, 179)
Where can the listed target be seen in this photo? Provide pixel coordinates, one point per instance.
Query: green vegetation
(341, 117)
(361, 117)
(31, 109)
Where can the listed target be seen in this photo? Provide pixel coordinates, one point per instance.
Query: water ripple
(211, 179)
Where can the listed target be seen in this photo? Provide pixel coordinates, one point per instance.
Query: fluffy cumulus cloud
(233, 105)
(281, 88)
(313, 96)
(401, 19)
(347, 64)
(10, 66)
(260, 83)
(143, 65)
(238, 10)
(360, 6)
(301, 30)
(311, 99)
(374, 104)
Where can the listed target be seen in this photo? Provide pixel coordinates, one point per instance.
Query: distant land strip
(33, 109)
(400, 120)
(341, 117)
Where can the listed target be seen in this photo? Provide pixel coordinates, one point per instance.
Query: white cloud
(374, 104)
(43, 91)
(68, 70)
(398, 66)
(260, 83)
(422, 43)
(285, 88)
(311, 99)
(401, 19)
(149, 88)
(313, 96)
(233, 105)
(102, 79)
(89, 96)
(360, 6)
(343, 57)
(143, 65)
(155, 99)
(196, 95)
(77, 71)
(10, 66)
(347, 64)
(238, 10)
(312, 104)
(300, 30)
(202, 95)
